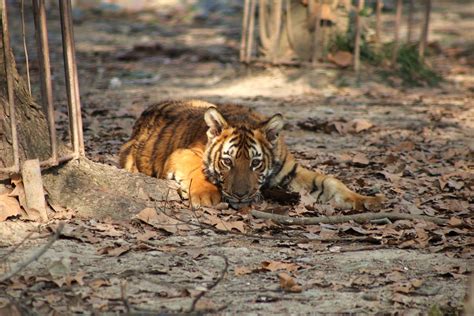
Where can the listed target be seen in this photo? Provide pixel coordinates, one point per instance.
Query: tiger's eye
(226, 162)
(255, 163)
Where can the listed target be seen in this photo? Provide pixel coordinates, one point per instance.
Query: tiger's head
(239, 159)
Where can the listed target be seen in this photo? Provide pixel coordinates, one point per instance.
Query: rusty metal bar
(425, 30)
(396, 40)
(51, 163)
(41, 31)
(72, 84)
(316, 43)
(250, 36)
(10, 90)
(76, 81)
(357, 40)
(245, 24)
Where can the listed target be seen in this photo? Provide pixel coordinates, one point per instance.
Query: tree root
(99, 191)
(338, 219)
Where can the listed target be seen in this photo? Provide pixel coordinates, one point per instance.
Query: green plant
(409, 66)
(413, 70)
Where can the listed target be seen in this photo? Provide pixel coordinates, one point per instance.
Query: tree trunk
(90, 189)
(32, 127)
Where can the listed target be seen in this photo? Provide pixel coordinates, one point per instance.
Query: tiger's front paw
(204, 194)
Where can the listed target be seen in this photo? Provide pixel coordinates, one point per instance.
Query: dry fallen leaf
(360, 159)
(341, 58)
(159, 220)
(114, 251)
(9, 206)
(455, 221)
(221, 224)
(59, 270)
(288, 284)
(229, 225)
(242, 270)
(360, 125)
(97, 283)
(278, 265)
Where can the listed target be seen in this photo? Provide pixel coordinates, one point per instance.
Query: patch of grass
(410, 67)
(413, 70)
(345, 42)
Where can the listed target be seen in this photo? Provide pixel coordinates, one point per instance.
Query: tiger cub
(224, 153)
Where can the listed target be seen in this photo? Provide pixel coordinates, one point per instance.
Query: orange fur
(225, 152)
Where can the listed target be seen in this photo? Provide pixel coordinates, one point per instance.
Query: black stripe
(174, 143)
(289, 177)
(218, 151)
(322, 190)
(156, 148)
(315, 187)
(279, 166)
(209, 151)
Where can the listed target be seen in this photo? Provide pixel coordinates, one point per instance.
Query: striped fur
(224, 152)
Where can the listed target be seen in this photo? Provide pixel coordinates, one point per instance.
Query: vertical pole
(411, 9)
(398, 20)
(424, 33)
(360, 7)
(72, 84)
(41, 31)
(253, 5)
(25, 49)
(317, 30)
(378, 23)
(10, 86)
(245, 25)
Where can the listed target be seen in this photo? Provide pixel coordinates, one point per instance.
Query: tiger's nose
(241, 195)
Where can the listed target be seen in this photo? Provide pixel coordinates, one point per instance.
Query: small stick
(317, 30)
(378, 23)
(250, 36)
(289, 25)
(38, 254)
(123, 296)
(245, 25)
(360, 7)
(398, 19)
(411, 9)
(16, 246)
(213, 285)
(359, 218)
(22, 10)
(424, 33)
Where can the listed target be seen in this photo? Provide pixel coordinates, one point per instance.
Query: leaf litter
(408, 144)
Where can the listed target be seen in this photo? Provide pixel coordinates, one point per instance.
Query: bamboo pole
(378, 23)
(424, 33)
(411, 9)
(360, 7)
(396, 40)
(317, 32)
(245, 25)
(250, 36)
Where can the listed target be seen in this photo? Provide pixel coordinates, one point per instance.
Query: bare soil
(415, 145)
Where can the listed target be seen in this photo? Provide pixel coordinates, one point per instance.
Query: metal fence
(266, 24)
(72, 83)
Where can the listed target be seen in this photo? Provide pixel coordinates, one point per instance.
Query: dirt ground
(413, 144)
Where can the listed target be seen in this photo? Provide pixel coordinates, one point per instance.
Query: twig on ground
(337, 219)
(38, 254)
(9, 252)
(123, 296)
(201, 225)
(213, 285)
(381, 221)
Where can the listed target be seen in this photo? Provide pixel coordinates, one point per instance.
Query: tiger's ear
(215, 121)
(272, 127)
